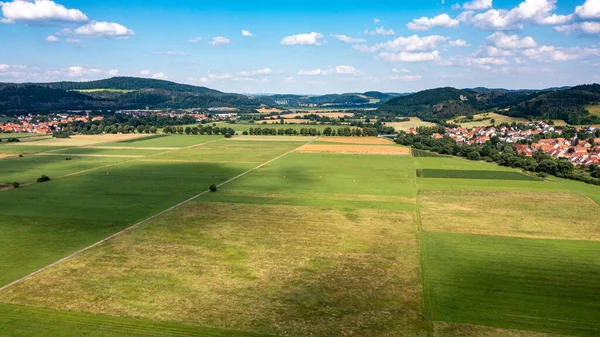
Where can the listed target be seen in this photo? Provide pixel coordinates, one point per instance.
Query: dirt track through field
(129, 229)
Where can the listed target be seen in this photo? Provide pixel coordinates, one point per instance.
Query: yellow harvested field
(354, 149)
(6, 155)
(321, 114)
(593, 109)
(414, 122)
(498, 118)
(274, 138)
(514, 214)
(269, 110)
(287, 121)
(82, 140)
(357, 140)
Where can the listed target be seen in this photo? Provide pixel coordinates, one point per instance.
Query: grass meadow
(311, 244)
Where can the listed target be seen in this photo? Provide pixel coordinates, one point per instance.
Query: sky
(305, 47)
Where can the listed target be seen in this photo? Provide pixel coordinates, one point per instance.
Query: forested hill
(442, 104)
(131, 83)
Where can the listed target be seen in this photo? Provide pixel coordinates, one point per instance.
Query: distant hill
(132, 83)
(441, 104)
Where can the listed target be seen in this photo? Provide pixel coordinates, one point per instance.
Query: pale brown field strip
(133, 148)
(357, 140)
(442, 329)
(354, 149)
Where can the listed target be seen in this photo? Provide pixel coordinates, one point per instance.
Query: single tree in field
(213, 188)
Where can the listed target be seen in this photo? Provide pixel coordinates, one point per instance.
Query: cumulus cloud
(195, 40)
(553, 53)
(289, 80)
(264, 71)
(504, 41)
(160, 76)
(376, 21)
(100, 29)
(79, 71)
(346, 70)
(406, 77)
(171, 53)
(528, 11)
(219, 41)
(52, 38)
(589, 10)
(310, 39)
(380, 31)
(440, 21)
(73, 41)
(400, 71)
(246, 33)
(412, 43)
(348, 39)
(315, 72)
(459, 43)
(112, 72)
(587, 27)
(477, 5)
(410, 56)
(145, 72)
(39, 12)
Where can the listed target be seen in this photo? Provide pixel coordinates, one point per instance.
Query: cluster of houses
(577, 151)
(27, 125)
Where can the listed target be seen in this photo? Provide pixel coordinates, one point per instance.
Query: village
(532, 137)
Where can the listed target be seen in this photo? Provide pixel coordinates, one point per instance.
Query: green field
(474, 174)
(303, 244)
(240, 127)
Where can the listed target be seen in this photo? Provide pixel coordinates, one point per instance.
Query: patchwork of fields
(308, 237)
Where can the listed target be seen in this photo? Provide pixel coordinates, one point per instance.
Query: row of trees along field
(504, 154)
(328, 131)
(200, 130)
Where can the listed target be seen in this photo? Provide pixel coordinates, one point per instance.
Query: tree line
(504, 154)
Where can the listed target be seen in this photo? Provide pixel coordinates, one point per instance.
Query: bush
(213, 188)
(227, 135)
(43, 178)
(20, 156)
(16, 184)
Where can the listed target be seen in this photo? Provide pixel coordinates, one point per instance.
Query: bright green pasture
(166, 141)
(242, 152)
(529, 284)
(29, 168)
(14, 148)
(44, 222)
(474, 174)
(325, 175)
(17, 321)
(453, 163)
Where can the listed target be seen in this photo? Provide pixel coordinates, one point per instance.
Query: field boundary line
(138, 224)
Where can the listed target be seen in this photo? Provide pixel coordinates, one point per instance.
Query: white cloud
(51, 38)
(412, 43)
(310, 39)
(72, 40)
(587, 27)
(145, 72)
(160, 76)
(400, 71)
(504, 41)
(100, 29)
(315, 72)
(79, 71)
(589, 10)
(112, 72)
(425, 23)
(264, 71)
(246, 33)
(376, 21)
(552, 53)
(528, 11)
(459, 43)
(348, 39)
(346, 70)
(195, 40)
(410, 57)
(496, 61)
(219, 41)
(406, 77)
(212, 76)
(4, 67)
(477, 5)
(380, 31)
(171, 53)
(39, 12)
(289, 80)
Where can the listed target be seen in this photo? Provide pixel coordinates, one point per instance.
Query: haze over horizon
(305, 46)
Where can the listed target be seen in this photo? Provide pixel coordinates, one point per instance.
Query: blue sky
(305, 46)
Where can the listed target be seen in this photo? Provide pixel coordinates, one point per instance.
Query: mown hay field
(354, 149)
(474, 174)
